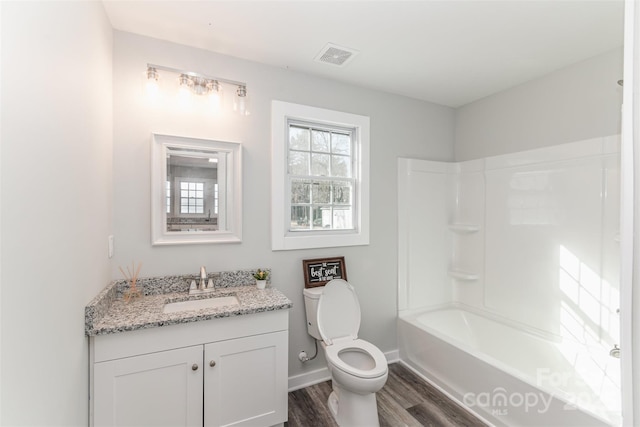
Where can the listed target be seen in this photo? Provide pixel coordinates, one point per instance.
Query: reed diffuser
(132, 276)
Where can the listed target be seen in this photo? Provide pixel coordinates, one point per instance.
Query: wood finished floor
(405, 400)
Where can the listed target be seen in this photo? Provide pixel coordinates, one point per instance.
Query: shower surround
(508, 281)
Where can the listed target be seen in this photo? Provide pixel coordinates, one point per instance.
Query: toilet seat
(338, 324)
(332, 353)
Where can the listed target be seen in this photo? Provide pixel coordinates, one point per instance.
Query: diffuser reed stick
(132, 276)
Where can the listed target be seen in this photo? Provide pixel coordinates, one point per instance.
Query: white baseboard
(320, 375)
(309, 378)
(392, 356)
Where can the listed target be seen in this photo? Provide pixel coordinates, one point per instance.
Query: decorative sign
(318, 272)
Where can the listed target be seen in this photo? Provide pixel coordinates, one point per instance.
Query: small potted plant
(261, 277)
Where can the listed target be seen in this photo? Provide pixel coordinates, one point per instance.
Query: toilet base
(352, 409)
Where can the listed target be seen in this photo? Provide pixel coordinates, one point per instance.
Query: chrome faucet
(203, 286)
(203, 278)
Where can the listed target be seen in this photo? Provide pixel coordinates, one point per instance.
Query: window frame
(283, 114)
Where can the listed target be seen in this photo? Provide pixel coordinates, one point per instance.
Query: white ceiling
(450, 52)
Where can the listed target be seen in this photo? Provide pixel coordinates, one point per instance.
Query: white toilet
(358, 368)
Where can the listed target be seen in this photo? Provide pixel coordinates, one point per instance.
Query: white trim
(281, 239)
(308, 379)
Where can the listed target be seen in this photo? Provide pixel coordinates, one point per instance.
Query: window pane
(298, 138)
(184, 193)
(322, 217)
(320, 141)
(320, 164)
(199, 194)
(342, 193)
(301, 191)
(300, 217)
(298, 163)
(321, 192)
(200, 186)
(184, 199)
(192, 186)
(192, 209)
(342, 219)
(341, 166)
(192, 193)
(199, 202)
(184, 185)
(341, 143)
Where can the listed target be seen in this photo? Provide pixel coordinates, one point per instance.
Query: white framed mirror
(196, 190)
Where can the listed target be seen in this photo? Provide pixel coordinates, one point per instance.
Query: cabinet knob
(194, 367)
(212, 363)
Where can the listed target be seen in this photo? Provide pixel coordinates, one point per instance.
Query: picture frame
(320, 271)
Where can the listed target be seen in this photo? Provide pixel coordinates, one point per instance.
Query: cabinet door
(247, 384)
(157, 389)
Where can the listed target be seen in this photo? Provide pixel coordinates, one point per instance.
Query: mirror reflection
(196, 191)
(195, 200)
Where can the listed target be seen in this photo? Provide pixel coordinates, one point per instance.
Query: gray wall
(399, 127)
(56, 174)
(575, 103)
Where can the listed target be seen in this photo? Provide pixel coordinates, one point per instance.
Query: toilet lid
(338, 312)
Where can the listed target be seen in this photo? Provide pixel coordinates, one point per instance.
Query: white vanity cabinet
(220, 372)
(157, 389)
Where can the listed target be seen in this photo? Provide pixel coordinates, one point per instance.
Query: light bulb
(241, 101)
(151, 85)
(215, 96)
(184, 91)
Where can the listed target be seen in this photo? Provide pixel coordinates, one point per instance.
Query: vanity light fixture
(201, 85)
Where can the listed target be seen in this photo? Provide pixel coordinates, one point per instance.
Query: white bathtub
(509, 376)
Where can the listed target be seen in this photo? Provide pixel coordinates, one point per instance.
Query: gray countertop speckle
(108, 313)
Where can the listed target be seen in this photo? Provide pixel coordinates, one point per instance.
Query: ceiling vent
(336, 55)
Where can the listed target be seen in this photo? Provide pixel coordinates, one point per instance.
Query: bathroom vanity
(212, 366)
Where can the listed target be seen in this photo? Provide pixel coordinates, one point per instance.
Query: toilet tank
(311, 298)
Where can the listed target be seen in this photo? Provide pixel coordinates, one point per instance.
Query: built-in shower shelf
(462, 275)
(461, 228)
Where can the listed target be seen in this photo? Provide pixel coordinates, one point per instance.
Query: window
(168, 196)
(215, 199)
(191, 197)
(320, 178)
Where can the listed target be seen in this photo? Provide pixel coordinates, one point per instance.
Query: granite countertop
(109, 313)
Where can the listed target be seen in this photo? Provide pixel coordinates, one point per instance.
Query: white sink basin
(199, 304)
